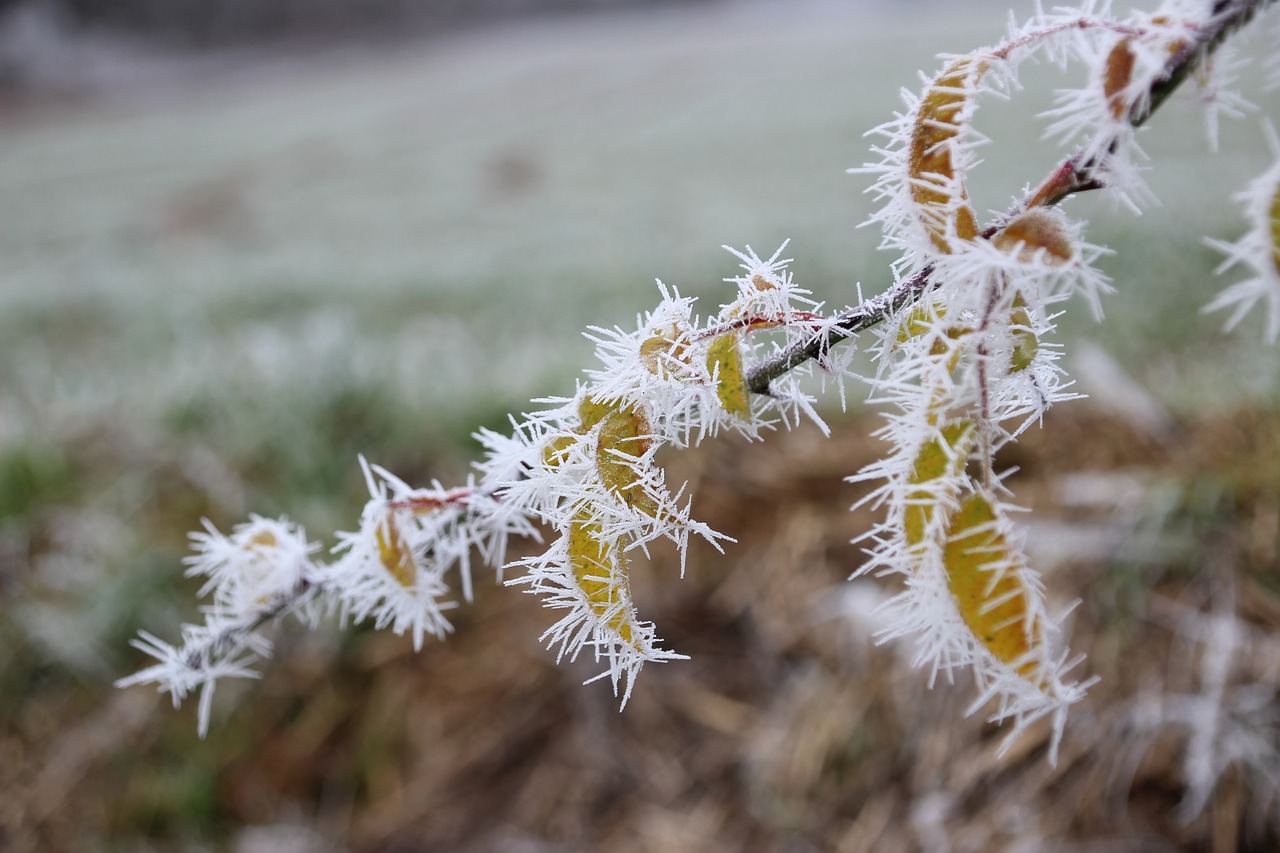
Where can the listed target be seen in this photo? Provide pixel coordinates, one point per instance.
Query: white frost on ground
(437, 219)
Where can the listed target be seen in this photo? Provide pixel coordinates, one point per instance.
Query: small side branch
(1075, 174)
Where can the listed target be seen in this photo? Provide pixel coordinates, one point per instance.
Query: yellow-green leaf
(943, 455)
(600, 571)
(626, 432)
(591, 412)
(1025, 343)
(394, 554)
(990, 593)
(920, 319)
(724, 361)
(556, 450)
(263, 540)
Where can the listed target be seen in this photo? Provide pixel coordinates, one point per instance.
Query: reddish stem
(430, 503)
(753, 322)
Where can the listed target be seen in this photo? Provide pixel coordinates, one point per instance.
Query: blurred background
(241, 242)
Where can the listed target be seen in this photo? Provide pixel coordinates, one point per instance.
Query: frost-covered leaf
(935, 185)
(724, 361)
(623, 439)
(992, 597)
(941, 459)
(600, 571)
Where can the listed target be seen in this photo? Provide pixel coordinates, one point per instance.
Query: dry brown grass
(787, 730)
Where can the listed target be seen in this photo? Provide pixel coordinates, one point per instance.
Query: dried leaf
(665, 350)
(1036, 232)
(931, 163)
(1117, 72)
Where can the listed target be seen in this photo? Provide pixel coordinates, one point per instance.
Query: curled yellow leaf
(624, 432)
(931, 164)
